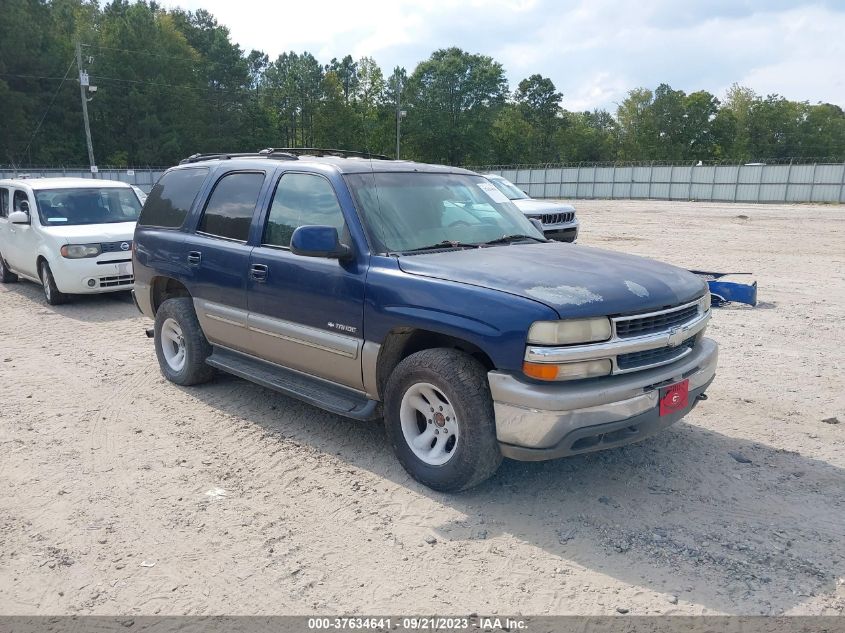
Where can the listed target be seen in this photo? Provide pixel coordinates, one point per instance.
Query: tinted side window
(4, 202)
(170, 200)
(300, 200)
(20, 196)
(231, 205)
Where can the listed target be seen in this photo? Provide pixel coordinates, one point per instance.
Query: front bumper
(546, 421)
(563, 232)
(92, 275)
(562, 235)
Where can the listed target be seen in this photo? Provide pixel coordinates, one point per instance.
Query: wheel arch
(401, 342)
(163, 288)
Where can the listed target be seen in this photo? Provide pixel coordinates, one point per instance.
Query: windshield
(410, 211)
(509, 189)
(97, 205)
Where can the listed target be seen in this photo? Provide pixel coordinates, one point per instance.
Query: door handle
(258, 272)
(194, 257)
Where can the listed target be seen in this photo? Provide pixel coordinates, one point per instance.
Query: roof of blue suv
(342, 165)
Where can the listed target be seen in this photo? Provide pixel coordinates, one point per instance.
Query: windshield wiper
(443, 244)
(512, 238)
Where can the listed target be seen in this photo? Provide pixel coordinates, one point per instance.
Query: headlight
(569, 332)
(568, 371)
(705, 302)
(79, 251)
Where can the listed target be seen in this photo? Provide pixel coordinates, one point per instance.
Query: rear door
(306, 313)
(217, 254)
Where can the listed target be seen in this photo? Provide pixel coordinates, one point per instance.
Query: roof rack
(322, 151)
(195, 158)
(285, 153)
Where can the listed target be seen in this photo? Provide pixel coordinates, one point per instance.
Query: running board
(328, 396)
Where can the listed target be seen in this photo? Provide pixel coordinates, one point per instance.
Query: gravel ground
(121, 493)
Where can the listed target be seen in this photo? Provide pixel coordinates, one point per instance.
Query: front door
(306, 313)
(22, 250)
(5, 236)
(217, 254)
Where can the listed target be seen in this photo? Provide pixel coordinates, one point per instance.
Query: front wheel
(52, 294)
(440, 421)
(181, 346)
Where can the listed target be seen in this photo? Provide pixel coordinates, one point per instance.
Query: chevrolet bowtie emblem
(676, 337)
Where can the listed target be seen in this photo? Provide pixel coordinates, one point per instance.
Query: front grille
(117, 280)
(654, 356)
(656, 322)
(115, 247)
(558, 218)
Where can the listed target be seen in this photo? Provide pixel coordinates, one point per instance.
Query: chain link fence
(143, 178)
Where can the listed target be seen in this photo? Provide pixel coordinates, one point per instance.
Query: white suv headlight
(705, 302)
(79, 251)
(570, 332)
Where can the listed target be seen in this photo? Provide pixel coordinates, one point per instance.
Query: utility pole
(83, 84)
(398, 111)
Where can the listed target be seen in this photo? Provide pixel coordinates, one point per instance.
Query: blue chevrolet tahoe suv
(417, 293)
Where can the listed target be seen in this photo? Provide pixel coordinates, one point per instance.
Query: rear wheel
(181, 346)
(6, 275)
(51, 293)
(439, 418)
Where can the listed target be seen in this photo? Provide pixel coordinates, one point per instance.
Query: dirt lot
(122, 493)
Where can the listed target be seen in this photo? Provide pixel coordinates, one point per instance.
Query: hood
(92, 233)
(576, 281)
(530, 206)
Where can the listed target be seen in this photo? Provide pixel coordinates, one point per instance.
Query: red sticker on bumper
(674, 398)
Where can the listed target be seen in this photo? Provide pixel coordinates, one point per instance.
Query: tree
(369, 96)
(453, 98)
(172, 82)
(637, 132)
(538, 102)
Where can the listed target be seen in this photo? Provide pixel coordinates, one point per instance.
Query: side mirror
(537, 224)
(19, 217)
(318, 241)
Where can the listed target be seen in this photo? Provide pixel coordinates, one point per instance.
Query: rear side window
(4, 202)
(300, 200)
(231, 205)
(170, 200)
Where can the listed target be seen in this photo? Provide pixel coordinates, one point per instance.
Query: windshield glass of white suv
(64, 207)
(509, 189)
(411, 211)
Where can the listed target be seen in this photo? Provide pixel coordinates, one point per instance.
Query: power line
(136, 52)
(32, 76)
(44, 116)
(248, 92)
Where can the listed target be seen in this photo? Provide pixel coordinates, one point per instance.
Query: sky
(595, 51)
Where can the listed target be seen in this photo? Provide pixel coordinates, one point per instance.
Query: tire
(181, 347)
(465, 408)
(52, 294)
(6, 275)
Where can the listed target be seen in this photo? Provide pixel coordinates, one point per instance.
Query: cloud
(594, 50)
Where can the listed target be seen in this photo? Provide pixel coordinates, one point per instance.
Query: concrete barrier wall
(818, 182)
(723, 183)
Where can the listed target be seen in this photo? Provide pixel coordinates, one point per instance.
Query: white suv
(558, 219)
(71, 235)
